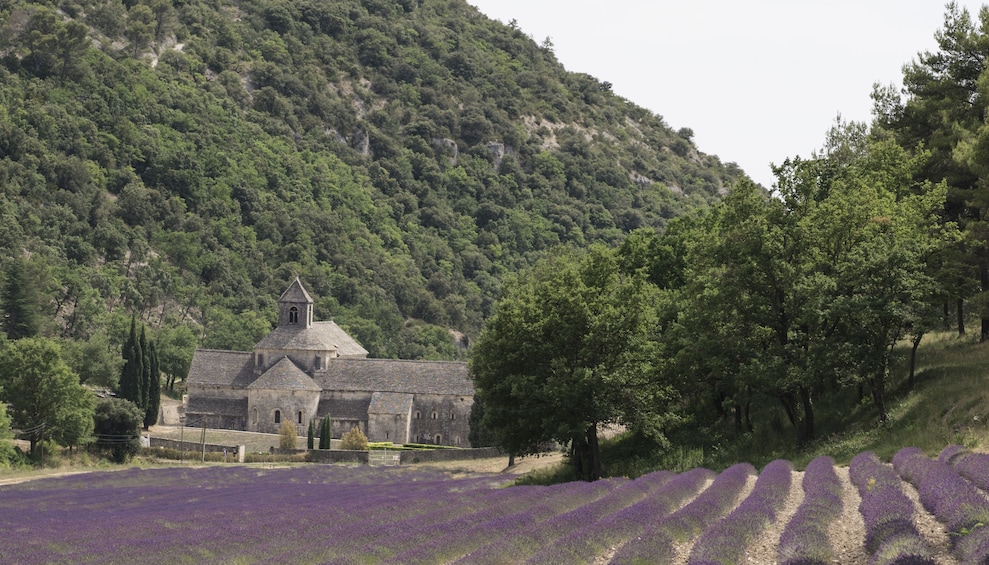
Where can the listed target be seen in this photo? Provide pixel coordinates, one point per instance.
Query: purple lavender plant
(655, 542)
(891, 536)
(725, 541)
(804, 541)
(954, 501)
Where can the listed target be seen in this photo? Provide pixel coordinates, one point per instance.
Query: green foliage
(570, 348)
(43, 394)
(118, 428)
(21, 307)
(154, 387)
(354, 440)
(287, 435)
(324, 432)
(182, 162)
(311, 435)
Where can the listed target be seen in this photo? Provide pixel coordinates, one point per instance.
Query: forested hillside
(184, 160)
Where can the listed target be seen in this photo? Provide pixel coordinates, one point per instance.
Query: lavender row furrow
(450, 537)
(515, 541)
(953, 500)
(890, 533)
(804, 541)
(655, 542)
(973, 466)
(726, 540)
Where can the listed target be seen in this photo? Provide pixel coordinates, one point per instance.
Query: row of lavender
(359, 515)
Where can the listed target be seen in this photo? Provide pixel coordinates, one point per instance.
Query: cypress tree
(145, 374)
(324, 433)
(20, 303)
(128, 387)
(310, 435)
(154, 387)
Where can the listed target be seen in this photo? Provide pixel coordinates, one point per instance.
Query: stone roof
(217, 406)
(322, 336)
(221, 368)
(395, 375)
(344, 409)
(284, 375)
(390, 403)
(296, 293)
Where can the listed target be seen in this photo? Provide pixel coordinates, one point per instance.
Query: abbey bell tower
(295, 306)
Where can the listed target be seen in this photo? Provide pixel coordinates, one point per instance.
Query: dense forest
(183, 161)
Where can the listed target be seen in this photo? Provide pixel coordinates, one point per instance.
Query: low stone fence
(337, 456)
(236, 451)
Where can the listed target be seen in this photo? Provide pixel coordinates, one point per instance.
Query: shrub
(287, 435)
(354, 440)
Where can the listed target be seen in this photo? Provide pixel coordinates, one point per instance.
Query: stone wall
(440, 415)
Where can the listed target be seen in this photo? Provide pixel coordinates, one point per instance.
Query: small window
(453, 415)
(434, 415)
(260, 360)
(439, 439)
(278, 416)
(319, 363)
(293, 315)
(300, 416)
(418, 415)
(386, 435)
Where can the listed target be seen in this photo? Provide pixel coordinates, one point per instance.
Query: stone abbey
(306, 369)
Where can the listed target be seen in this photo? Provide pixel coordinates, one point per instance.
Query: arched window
(439, 439)
(434, 415)
(293, 315)
(300, 416)
(418, 415)
(255, 416)
(386, 435)
(453, 415)
(278, 416)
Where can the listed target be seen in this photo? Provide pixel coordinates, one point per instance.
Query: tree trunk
(808, 406)
(879, 394)
(961, 317)
(913, 355)
(586, 455)
(984, 279)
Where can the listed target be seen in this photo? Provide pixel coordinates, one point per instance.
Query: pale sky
(757, 80)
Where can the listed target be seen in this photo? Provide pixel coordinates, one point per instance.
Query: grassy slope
(948, 404)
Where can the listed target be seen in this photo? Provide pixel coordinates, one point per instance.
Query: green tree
(175, 345)
(132, 373)
(479, 435)
(942, 115)
(354, 440)
(144, 349)
(570, 348)
(311, 435)
(21, 307)
(324, 433)
(154, 388)
(118, 428)
(287, 435)
(43, 393)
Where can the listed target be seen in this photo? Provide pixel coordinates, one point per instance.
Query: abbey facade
(306, 370)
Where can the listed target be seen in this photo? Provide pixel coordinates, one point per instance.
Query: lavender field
(914, 510)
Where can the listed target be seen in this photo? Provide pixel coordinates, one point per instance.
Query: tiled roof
(211, 405)
(322, 336)
(395, 375)
(284, 375)
(341, 409)
(390, 403)
(222, 368)
(295, 293)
